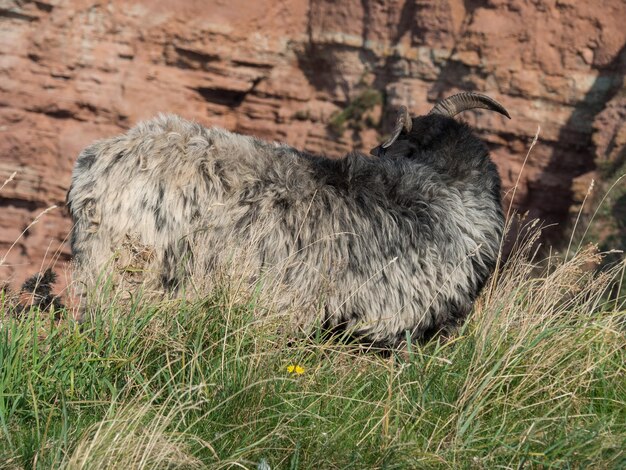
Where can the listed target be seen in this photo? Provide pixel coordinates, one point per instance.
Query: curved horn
(403, 122)
(455, 104)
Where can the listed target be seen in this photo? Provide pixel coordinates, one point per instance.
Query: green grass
(535, 379)
(356, 114)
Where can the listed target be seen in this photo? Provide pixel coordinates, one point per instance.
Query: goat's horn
(455, 104)
(403, 121)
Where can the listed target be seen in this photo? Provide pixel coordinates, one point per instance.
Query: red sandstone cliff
(72, 71)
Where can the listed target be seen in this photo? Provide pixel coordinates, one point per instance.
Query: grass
(536, 379)
(356, 114)
(606, 222)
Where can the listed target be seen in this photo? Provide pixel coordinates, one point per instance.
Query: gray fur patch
(402, 242)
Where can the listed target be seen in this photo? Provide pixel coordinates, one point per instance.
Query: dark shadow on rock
(407, 20)
(574, 153)
(619, 214)
(316, 62)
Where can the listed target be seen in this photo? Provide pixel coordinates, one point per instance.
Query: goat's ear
(377, 151)
(403, 123)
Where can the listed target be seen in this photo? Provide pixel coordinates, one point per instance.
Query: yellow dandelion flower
(295, 369)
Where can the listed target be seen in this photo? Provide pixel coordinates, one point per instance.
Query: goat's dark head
(423, 130)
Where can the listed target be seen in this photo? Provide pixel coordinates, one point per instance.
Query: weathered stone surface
(72, 71)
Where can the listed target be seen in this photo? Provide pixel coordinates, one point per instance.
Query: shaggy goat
(381, 246)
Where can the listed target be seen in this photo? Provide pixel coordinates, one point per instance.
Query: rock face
(322, 75)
